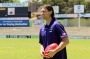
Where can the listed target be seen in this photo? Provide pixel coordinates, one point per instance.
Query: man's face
(45, 13)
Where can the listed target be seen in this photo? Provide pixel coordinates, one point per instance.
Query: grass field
(29, 49)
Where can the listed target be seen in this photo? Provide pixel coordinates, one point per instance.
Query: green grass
(29, 49)
(19, 49)
(79, 49)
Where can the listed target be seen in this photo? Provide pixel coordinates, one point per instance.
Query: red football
(50, 47)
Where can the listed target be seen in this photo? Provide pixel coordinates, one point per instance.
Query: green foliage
(16, 0)
(67, 6)
(6, 1)
(9, 1)
(78, 2)
(47, 2)
(87, 7)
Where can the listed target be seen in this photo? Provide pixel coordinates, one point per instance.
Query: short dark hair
(49, 8)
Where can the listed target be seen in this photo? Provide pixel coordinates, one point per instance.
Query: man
(52, 32)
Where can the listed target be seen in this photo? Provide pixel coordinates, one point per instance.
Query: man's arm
(41, 50)
(62, 44)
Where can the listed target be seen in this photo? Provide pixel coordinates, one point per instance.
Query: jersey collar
(52, 21)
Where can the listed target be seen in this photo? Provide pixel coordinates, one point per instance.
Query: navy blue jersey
(53, 33)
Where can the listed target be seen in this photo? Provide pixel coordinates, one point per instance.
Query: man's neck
(48, 20)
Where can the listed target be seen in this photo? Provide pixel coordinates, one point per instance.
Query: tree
(87, 7)
(9, 1)
(46, 1)
(6, 1)
(66, 0)
(16, 1)
(79, 2)
(0, 1)
(67, 6)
